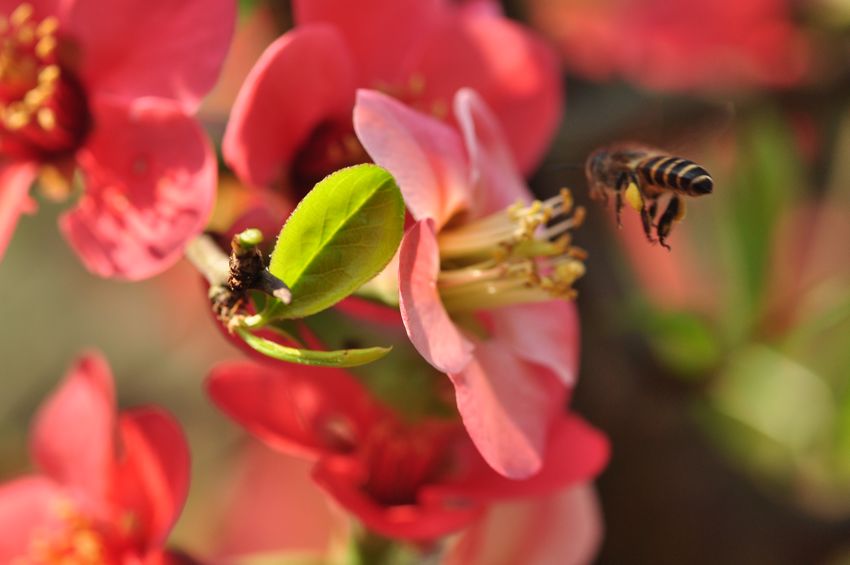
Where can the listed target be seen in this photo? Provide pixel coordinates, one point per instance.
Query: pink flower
(565, 529)
(480, 272)
(701, 44)
(109, 88)
(408, 480)
(291, 124)
(110, 485)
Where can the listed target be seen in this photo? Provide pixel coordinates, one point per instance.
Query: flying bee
(648, 180)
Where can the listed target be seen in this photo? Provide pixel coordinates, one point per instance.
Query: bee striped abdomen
(675, 173)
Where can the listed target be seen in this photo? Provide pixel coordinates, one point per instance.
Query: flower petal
(516, 73)
(575, 452)
(26, 506)
(303, 79)
(428, 519)
(425, 156)
(152, 479)
(428, 325)
(377, 32)
(15, 181)
(554, 343)
(296, 409)
(564, 529)
(508, 407)
(150, 186)
(135, 48)
(498, 184)
(274, 505)
(73, 434)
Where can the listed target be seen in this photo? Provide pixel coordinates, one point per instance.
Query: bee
(648, 180)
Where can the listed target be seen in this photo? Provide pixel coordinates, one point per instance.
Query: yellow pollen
(46, 118)
(633, 197)
(36, 97)
(416, 83)
(680, 215)
(16, 116)
(47, 27)
(21, 14)
(45, 47)
(49, 74)
(439, 109)
(26, 34)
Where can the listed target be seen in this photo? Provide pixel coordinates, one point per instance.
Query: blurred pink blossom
(110, 487)
(291, 123)
(110, 88)
(695, 44)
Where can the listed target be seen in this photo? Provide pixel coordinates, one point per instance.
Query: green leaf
(683, 340)
(402, 379)
(766, 181)
(338, 358)
(341, 235)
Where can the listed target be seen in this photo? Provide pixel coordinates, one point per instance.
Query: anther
(46, 118)
(45, 47)
(21, 14)
(47, 26)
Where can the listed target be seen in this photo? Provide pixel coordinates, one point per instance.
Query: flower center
(401, 460)
(330, 147)
(518, 255)
(77, 541)
(43, 111)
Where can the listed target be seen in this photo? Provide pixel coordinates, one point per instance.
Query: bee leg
(618, 207)
(646, 220)
(653, 209)
(665, 223)
(620, 187)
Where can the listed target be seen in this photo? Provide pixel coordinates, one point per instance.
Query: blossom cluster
(411, 333)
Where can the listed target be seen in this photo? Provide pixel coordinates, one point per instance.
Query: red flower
(111, 484)
(707, 44)
(291, 123)
(414, 481)
(109, 88)
(480, 272)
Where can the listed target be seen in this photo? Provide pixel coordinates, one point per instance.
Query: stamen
(513, 256)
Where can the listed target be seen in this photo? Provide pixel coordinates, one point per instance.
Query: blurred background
(720, 370)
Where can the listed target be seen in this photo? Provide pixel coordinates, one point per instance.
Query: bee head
(595, 168)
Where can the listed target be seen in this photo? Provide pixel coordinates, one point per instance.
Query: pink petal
(135, 48)
(515, 72)
(73, 434)
(150, 187)
(26, 506)
(498, 183)
(274, 505)
(303, 79)
(152, 479)
(424, 155)
(428, 325)
(296, 409)
(554, 343)
(575, 452)
(379, 33)
(15, 181)
(508, 407)
(564, 529)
